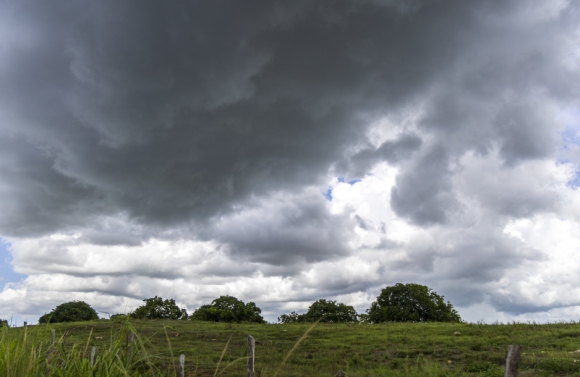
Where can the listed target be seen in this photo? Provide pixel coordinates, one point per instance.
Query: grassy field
(212, 349)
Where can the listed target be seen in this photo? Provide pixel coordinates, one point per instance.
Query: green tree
(331, 312)
(411, 303)
(157, 308)
(293, 317)
(228, 309)
(74, 311)
(3, 323)
(118, 317)
(326, 310)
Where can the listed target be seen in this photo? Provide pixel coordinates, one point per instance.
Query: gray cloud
(526, 133)
(423, 193)
(171, 116)
(295, 230)
(392, 151)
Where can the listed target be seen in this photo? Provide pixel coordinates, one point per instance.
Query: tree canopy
(411, 303)
(74, 311)
(228, 309)
(324, 310)
(157, 308)
(3, 322)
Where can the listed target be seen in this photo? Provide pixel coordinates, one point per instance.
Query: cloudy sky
(286, 151)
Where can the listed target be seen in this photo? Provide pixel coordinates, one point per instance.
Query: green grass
(211, 349)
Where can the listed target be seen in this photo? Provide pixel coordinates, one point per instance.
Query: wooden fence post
(130, 338)
(512, 360)
(251, 355)
(93, 352)
(182, 365)
(52, 332)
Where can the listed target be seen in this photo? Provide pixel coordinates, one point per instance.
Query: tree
(327, 311)
(118, 317)
(3, 323)
(228, 309)
(74, 311)
(293, 317)
(157, 308)
(411, 303)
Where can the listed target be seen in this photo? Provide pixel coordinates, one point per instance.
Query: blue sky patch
(7, 274)
(575, 182)
(328, 194)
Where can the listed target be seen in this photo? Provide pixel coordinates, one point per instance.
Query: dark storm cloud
(31, 189)
(172, 112)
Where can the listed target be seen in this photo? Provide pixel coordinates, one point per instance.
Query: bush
(326, 311)
(293, 317)
(118, 317)
(157, 308)
(411, 303)
(74, 311)
(228, 309)
(3, 323)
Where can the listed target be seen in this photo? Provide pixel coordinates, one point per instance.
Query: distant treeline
(398, 303)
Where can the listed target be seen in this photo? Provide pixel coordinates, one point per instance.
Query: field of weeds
(217, 349)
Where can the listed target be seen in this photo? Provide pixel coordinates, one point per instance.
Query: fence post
(93, 352)
(251, 355)
(130, 338)
(512, 360)
(52, 332)
(182, 365)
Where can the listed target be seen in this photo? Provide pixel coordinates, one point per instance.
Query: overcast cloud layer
(284, 152)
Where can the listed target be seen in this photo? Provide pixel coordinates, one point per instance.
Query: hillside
(433, 349)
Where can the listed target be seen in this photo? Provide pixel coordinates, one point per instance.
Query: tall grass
(291, 350)
(27, 352)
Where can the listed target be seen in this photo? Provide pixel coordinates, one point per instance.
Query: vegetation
(411, 303)
(399, 303)
(365, 350)
(73, 311)
(228, 309)
(157, 308)
(3, 323)
(28, 352)
(323, 311)
(119, 317)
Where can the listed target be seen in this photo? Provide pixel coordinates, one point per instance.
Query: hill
(392, 349)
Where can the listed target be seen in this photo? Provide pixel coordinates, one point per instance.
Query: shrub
(74, 311)
(228, 309)
(157, 308)
(118, 317)
(326, 311)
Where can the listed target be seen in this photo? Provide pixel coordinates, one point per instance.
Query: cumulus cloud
(285, 152)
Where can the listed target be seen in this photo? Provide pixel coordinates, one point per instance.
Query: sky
(283, 152)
